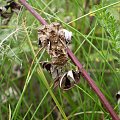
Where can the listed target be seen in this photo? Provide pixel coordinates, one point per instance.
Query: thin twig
(77, 63)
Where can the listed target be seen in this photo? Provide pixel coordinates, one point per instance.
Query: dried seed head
(54, 38)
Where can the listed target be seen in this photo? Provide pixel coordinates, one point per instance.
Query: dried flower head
(54, 38)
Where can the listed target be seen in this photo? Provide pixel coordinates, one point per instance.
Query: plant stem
(34, 13)
(78, 64)
(93, 85)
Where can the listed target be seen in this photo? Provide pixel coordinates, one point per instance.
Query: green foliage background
(96, 43)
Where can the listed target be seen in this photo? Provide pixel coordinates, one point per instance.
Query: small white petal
(61, 80)
(70, 75)
(68, 34)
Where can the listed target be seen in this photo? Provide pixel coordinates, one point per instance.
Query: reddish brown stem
(77, 63)
(93, 85)
(34, 13)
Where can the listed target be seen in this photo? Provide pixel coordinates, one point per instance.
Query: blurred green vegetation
(96, 43)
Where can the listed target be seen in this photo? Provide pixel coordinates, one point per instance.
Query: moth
(54, 38)
(7, 10)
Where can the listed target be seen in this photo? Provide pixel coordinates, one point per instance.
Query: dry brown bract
(52, 37)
